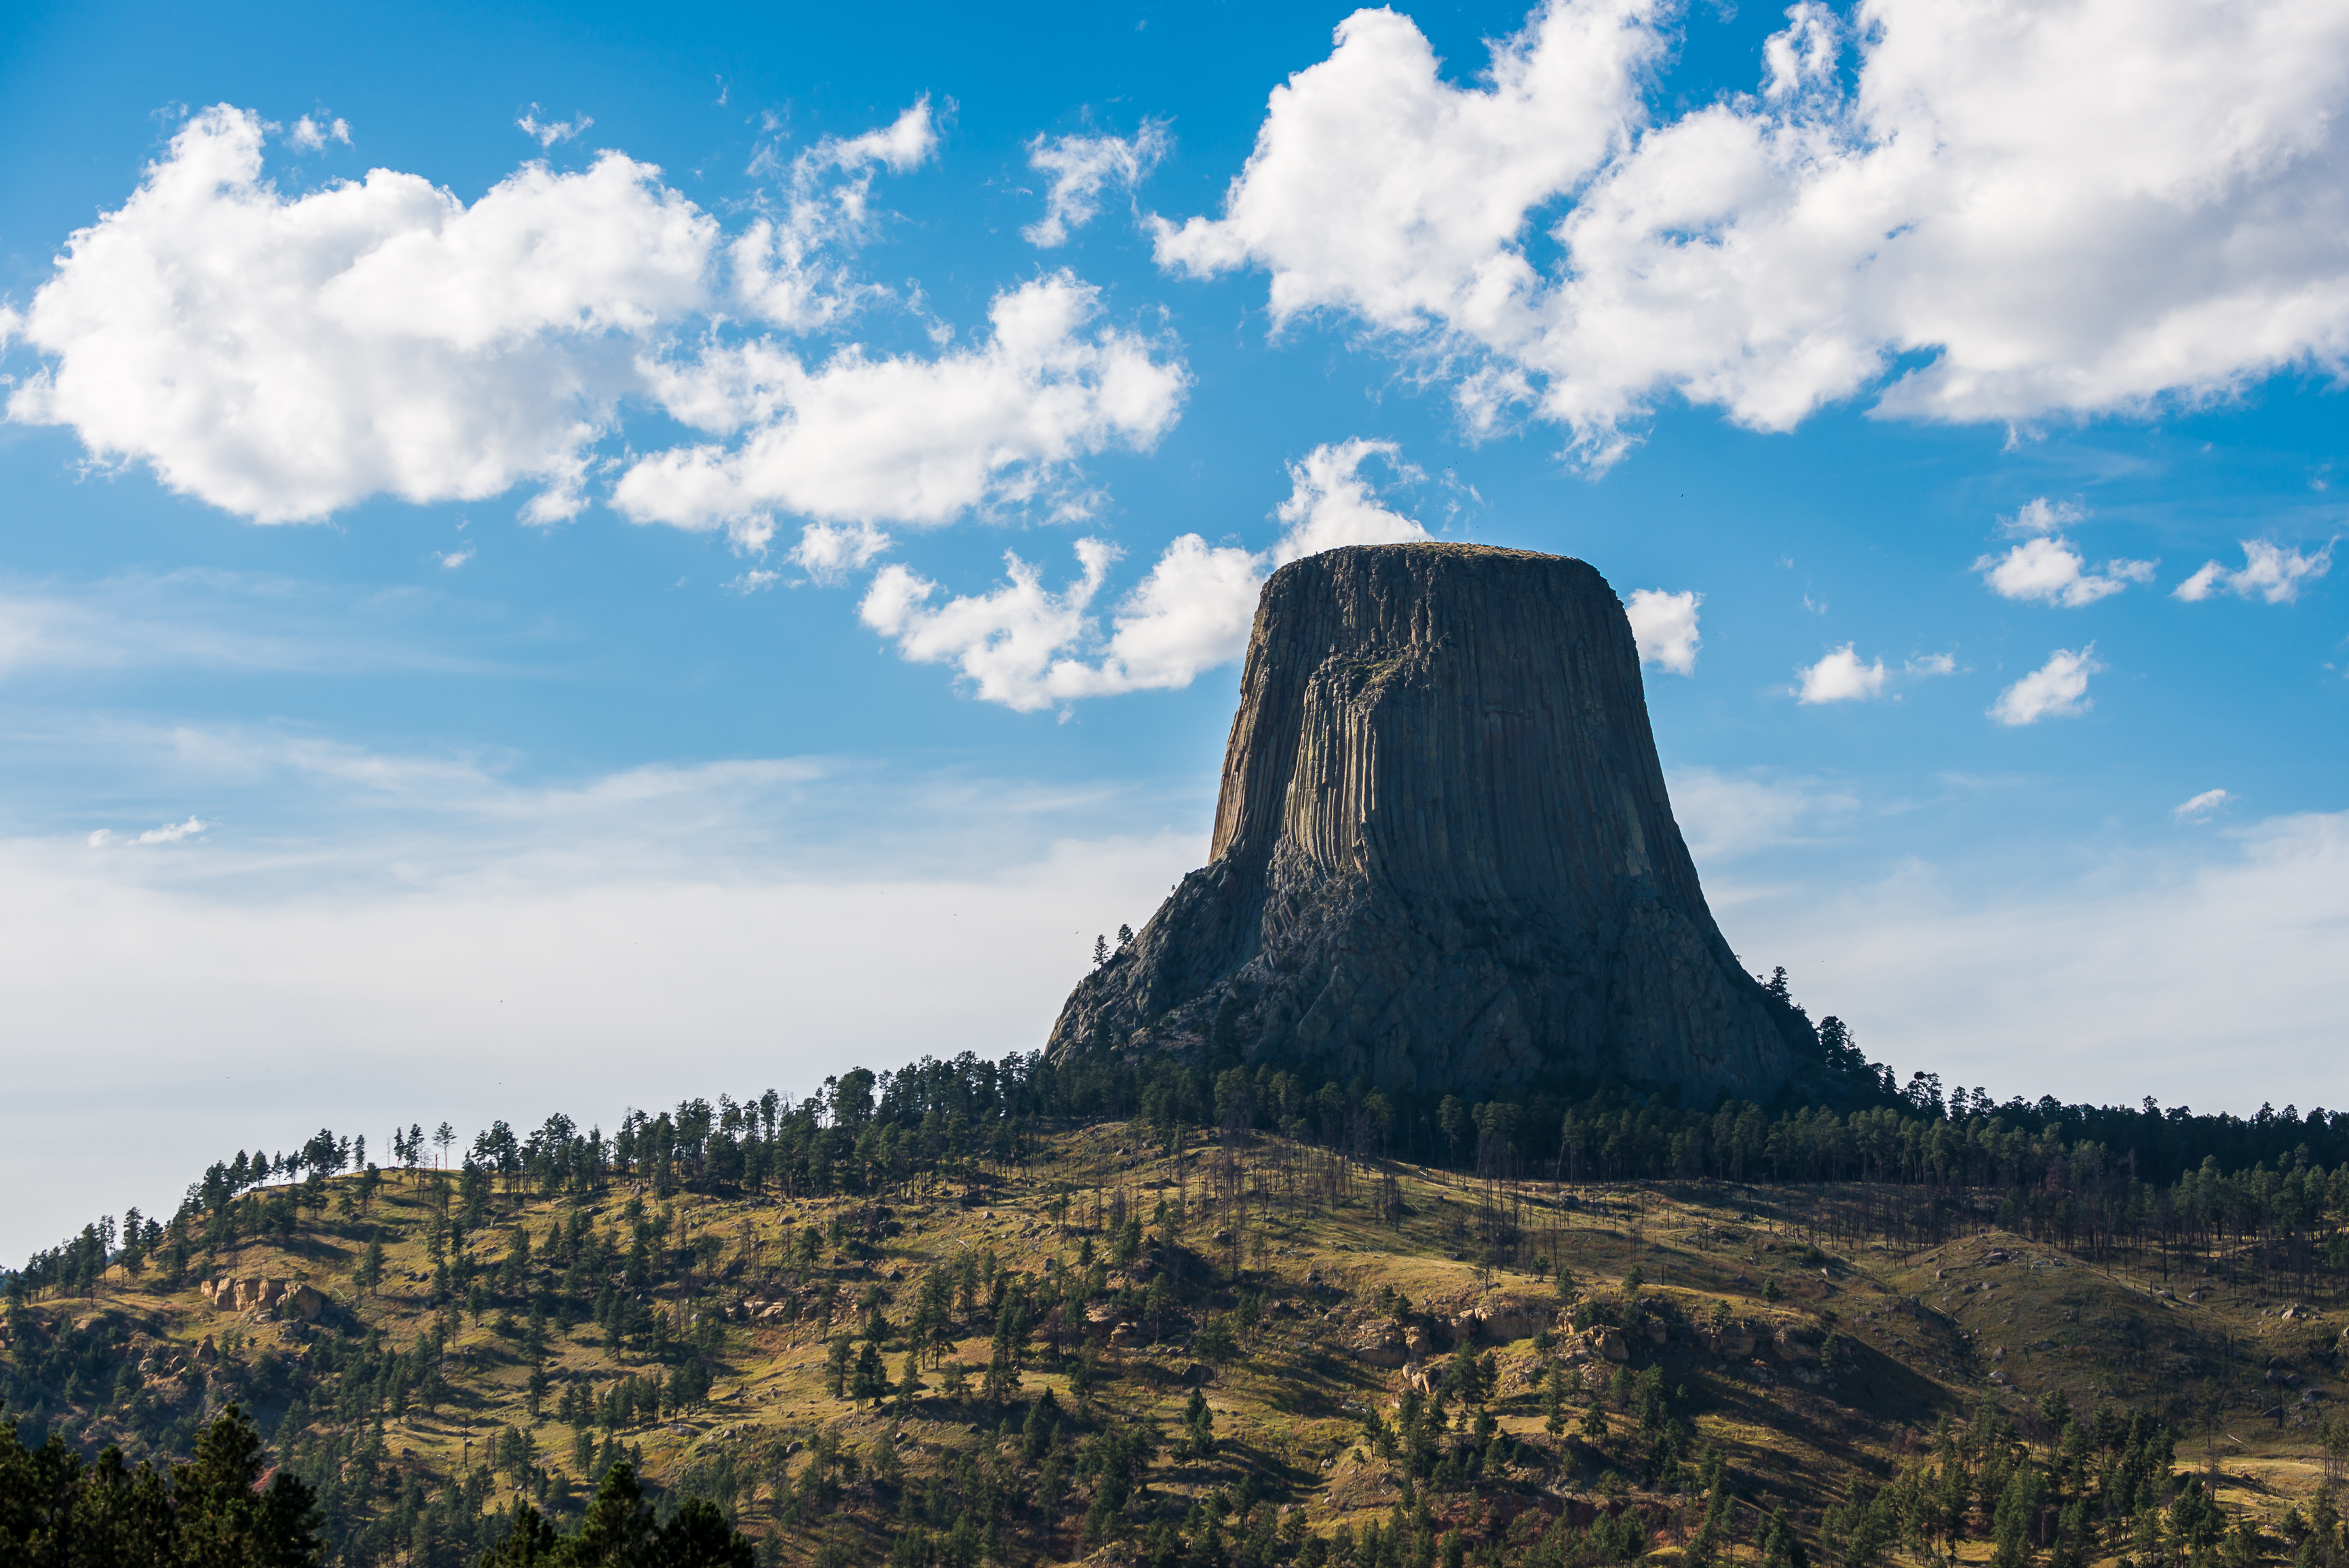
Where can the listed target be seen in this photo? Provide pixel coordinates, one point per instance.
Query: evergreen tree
(56, 1510)
(835, 1367)
(910, 1387)
(871, 1379)
(1199, 1428)
(370, 1269)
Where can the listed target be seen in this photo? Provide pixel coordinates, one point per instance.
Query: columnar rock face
(1443, 857)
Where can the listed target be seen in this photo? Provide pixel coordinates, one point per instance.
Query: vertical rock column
(1443, 855)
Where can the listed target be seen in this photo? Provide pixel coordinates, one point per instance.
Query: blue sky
(504, 602)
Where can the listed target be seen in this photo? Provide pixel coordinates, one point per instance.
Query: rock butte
(1443, 857)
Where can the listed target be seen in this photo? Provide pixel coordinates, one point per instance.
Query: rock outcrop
(284, 1297)
(1443, 858)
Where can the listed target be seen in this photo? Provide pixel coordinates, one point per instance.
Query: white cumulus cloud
(2201, 806)
(283, 359)
(1006, 642)
(1331, 503)
(2271, 571)
(1664, 625)
(1029, 648)
(869, 438)
(1841, 677)
(2047, 570)
(2056, 689)
(2070, 208)
(1084, 167)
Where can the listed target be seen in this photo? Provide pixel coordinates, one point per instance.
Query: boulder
(1501, 1320)
(1443, 855)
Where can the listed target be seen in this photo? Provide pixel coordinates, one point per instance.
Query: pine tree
(910, 1385)
(1199, 1428)
(370, 1272)
(835, 1368)
(871, 1379)
(1001, 1383)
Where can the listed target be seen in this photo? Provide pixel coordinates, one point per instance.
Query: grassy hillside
(1247, 1352)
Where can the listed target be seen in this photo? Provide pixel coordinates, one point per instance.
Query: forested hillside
(1020, 1313)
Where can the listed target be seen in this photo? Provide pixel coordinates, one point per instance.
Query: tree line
(2087, 1176)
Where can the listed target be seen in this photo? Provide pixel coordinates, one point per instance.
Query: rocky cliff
(1443, 857)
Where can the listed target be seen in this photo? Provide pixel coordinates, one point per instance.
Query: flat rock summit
(1443, 857)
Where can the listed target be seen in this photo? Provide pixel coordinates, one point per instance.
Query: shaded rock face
(1443, 858)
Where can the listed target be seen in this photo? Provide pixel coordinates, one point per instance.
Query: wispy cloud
(312, 135)
(2274, 573)
(2202, 807)
(169, 833)
(786, 263)
(2056, 689)
(2043, 981)
(829, 552)
(546, 132)
(1082, 169)
(512, 981)
(217, 620)
(2040, 515)
(1727, 814)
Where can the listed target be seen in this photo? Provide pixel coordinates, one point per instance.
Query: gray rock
(1443, 857)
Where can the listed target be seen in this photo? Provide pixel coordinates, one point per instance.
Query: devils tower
(1443, 858)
